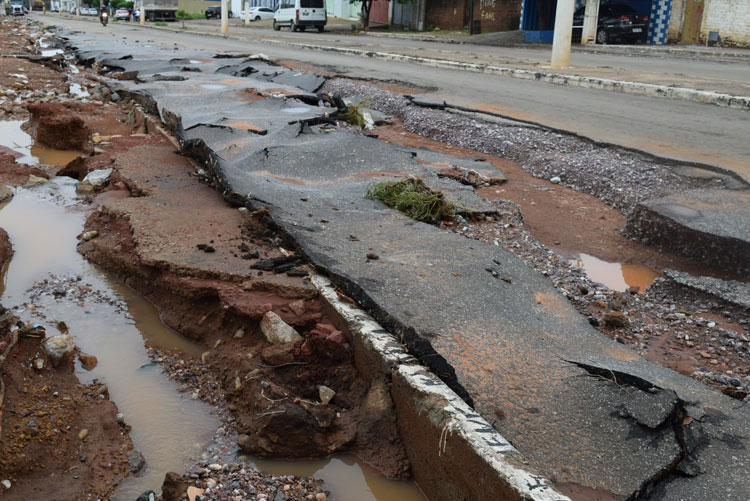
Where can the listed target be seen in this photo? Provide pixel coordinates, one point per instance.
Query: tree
(182, 15)
(366, 6)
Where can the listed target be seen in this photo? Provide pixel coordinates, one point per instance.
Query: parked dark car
(215, 12)
(616, 22)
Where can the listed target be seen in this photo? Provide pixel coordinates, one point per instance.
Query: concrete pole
(78, 8)
(563, 33)
(246, 3)
(224, 16)
(590, 22)
(142, 16)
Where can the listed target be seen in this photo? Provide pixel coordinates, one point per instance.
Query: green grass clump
(160, 23)
(413, 198)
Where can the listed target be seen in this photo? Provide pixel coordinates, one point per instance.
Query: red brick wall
(495, 15)
(447, 14)
(379, 11)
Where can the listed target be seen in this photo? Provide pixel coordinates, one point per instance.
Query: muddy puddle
(168, 428)
(616, 276)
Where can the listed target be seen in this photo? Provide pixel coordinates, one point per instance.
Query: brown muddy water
(17, 140)
(169, 428)
(616, 276)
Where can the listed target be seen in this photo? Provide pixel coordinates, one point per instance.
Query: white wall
(731, 18)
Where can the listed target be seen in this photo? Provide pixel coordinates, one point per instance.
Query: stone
(6, 483)
(320, 497)
(88, 362)
(277, 331)
(615, 319)
(83, 434)
(555, 180)
(298, 307)
(89, 235)
(193, 492)
(136, 461)
(214, 467)
(278, 354)
(38, 363)
(326, 394)
(337, 337)
(35, 180)
(174, 487)
(120, 418)
(84, 189)
(280, 496)
(239, 333)
(60, 349)
(98, 178)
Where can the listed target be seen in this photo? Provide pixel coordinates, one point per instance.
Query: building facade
(684, 21)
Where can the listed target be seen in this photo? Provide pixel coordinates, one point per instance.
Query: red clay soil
(15, 174)
(57, 125)
(211, 294)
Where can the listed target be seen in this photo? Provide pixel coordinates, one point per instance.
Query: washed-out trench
(48, 281)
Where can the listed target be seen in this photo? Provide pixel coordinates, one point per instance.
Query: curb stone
(457, 424)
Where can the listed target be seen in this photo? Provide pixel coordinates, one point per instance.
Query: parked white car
(122, 15)
(258, 14)
(299, 14)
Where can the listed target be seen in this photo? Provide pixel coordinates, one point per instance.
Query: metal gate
(402, 15)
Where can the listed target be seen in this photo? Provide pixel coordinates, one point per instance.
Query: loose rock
(277, 331)
(60, 349)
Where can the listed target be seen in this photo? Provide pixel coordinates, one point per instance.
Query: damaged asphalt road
(584, 410)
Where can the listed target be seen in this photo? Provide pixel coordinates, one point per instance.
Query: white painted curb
(457, 420)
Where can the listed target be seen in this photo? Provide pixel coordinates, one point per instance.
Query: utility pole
(142, 16)
(563, 33)
(78, 9)
(246, 3)
(224, 16)
(471, 17)
(590, 22)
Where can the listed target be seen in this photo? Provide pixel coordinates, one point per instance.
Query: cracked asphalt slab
(712, 226)
(581, 408)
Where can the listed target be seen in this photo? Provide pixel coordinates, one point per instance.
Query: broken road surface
(583, 409)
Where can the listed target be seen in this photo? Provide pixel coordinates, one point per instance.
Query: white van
(299, 14)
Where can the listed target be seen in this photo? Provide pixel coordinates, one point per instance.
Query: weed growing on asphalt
(354, 114)
(413, 198)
